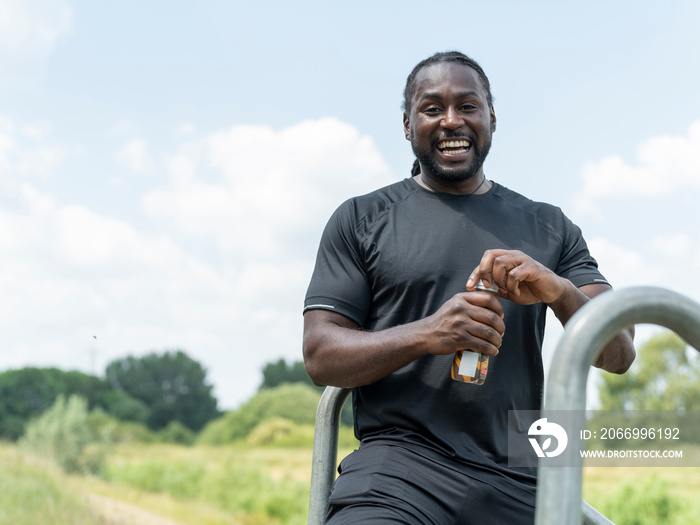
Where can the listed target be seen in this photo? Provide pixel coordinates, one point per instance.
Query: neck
(469, 187)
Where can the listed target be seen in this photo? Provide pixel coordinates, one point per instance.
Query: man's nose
(452, 119)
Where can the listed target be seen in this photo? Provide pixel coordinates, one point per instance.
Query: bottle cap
(483, 288)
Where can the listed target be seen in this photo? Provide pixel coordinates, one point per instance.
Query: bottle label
(470, 367)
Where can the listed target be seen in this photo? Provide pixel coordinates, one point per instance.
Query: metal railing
(325, 456)
(586, 333)
(559, 499)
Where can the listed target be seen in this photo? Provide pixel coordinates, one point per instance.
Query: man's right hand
(338, 352)
(468, 321)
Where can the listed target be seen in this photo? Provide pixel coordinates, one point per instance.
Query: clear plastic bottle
(469, 366)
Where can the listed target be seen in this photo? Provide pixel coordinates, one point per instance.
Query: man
(386, 311)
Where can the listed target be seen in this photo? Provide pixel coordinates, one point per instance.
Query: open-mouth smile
(453, 146)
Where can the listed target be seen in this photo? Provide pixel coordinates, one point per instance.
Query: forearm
(617, 356)
(340, 354)
(619, 353)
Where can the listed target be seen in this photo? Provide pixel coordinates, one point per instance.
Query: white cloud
(645, 214)
(30, 30)
(622, 266)
(221, 273)
(7, 147)
(678, 244)
(68, 273)
(26, 150)
(185, 129)
(270, 188)
(664, 165)
(134, 155)
(120, 128)
(262, 197)
(36, 131)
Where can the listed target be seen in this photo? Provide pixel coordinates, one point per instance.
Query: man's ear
(406, 127)
(493, 119)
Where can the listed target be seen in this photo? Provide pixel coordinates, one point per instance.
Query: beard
(429, 162)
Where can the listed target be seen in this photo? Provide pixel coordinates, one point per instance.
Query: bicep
(319, 319)
(321, 327)
(323, 334)
(592, 290)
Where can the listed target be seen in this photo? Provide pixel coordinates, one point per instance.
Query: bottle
(469, 366)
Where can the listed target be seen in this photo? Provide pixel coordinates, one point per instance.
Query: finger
(485, 301)
(484, 339)
(502, 272)
(486, 310)
(484, 270)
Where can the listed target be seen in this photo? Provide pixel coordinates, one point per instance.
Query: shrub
(295, 402)
(63, 433)
(176, 432)
(270, 431)
(647, 503)
(118, 431)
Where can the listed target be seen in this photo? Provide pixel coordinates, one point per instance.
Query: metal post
(325, 451)
(559, 488)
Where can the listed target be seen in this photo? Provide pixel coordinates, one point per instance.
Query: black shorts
(382, 483)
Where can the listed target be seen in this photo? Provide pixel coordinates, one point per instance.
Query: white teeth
(454, 144)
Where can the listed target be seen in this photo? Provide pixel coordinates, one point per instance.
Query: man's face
(450, 122)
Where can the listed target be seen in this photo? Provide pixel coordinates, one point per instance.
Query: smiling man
(387, 309)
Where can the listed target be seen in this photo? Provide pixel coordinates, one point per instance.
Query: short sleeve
(339, 282)
(576, 263)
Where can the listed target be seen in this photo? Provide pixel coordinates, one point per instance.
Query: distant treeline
(157, 390)
(153, 390)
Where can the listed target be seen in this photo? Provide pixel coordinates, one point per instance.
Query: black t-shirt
(395, 256)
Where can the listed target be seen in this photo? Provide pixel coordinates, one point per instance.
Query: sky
(167, 167)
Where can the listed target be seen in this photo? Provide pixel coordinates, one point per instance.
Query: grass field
(33, 491)
(244, 485)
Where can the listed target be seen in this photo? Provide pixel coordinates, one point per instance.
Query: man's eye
(432, 110)
(468, 107)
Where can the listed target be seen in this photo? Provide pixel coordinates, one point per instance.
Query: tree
(28, 392)
(171, 384)
(279, 372)
(660, 390)
(665, 376)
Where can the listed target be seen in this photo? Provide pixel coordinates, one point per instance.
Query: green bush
(271, 431)
(648, 503)
(119, 431)
(295, 402)
(176, 432)
(282, 433)
(63, 433)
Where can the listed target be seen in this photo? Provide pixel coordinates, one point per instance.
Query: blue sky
(166, 167)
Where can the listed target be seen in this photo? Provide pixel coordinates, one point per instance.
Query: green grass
(644, 495)
(33, 491)
(269, 485)
(251, 485)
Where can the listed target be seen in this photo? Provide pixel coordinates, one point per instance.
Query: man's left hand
(519, 277)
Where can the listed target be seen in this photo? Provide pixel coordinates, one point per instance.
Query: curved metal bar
(559, 488)
(591, 516)
(325, 451)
